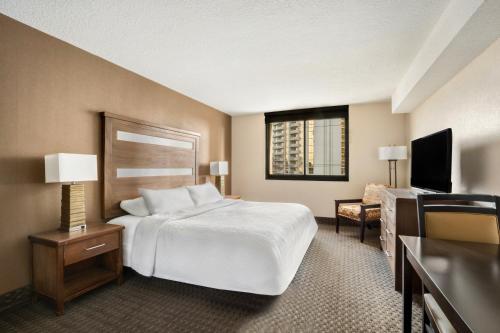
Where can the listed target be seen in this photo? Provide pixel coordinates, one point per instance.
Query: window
(308, 144)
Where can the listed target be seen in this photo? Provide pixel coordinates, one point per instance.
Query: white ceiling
(243, 56)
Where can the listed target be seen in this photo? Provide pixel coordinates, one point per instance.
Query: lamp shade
(61, 168)
(392, 153)
(219, 168)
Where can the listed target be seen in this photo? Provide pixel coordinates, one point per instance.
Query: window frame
(340, 111)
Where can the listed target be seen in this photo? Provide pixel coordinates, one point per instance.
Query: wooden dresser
(398, 217)
(68, 264)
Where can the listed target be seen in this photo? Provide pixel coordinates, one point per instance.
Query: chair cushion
(353, 211)
(437, 315)
(372, 193)
(467, 227)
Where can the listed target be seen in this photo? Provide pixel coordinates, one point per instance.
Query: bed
(237, 245)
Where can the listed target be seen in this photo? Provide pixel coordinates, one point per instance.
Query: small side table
(231, 196)
(66, 265)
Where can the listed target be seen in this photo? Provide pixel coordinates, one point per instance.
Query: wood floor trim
(325, 220)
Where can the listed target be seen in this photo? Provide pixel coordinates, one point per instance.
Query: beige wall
(370, 126)
(469, 104)
(49, 94)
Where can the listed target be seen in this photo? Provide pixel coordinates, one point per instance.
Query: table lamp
(70, 169)
(219, 169)
(392, 154)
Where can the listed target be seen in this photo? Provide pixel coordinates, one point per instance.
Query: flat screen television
(431, 162)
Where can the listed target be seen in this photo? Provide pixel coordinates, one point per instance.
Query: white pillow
(136, 207)
(168, 201)
(203, 194)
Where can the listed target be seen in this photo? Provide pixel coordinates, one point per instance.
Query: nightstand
(236, 197)
(66, 265)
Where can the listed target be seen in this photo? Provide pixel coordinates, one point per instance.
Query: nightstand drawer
(90, 247)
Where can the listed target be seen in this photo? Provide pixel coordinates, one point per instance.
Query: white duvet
(237, 245)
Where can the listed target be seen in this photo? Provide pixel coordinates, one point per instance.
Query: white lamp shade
(61, 168)
(219, 168)
(392, 153)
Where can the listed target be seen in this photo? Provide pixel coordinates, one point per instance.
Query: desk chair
(473, 222)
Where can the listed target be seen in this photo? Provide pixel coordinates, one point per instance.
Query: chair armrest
(362, 213)
(348, 201)
(363, 207)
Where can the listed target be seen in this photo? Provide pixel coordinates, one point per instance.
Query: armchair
(365, 211)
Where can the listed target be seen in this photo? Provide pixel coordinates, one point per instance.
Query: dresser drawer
(388, 209)
(383, 215)
(387, 244)
(390, 229)
(388, 226)
(390, 252)
(388, 213)
(382, 238)
(391, 243)
(387, 201)
(89, 248)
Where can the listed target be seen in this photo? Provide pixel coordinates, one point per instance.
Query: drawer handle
(382, 220)
(388, 231)
(95, 247)
(382, 238)
(387, 253)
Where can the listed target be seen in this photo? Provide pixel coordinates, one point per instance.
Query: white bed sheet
(237, 245)
(130, 223)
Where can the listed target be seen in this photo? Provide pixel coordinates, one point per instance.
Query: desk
(463, 277)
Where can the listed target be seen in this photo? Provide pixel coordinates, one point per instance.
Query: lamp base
(395, 173)
(73, 207)
(219, 183)
(73, 229)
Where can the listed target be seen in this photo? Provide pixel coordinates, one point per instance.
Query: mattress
(130, 223)
(254, 247)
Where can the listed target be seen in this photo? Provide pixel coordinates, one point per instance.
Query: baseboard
(16, 297)
(333, 221)
(325, 220)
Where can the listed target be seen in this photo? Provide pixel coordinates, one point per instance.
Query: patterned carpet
(341, 286)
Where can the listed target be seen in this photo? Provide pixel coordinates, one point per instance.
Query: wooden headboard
(139, 154)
